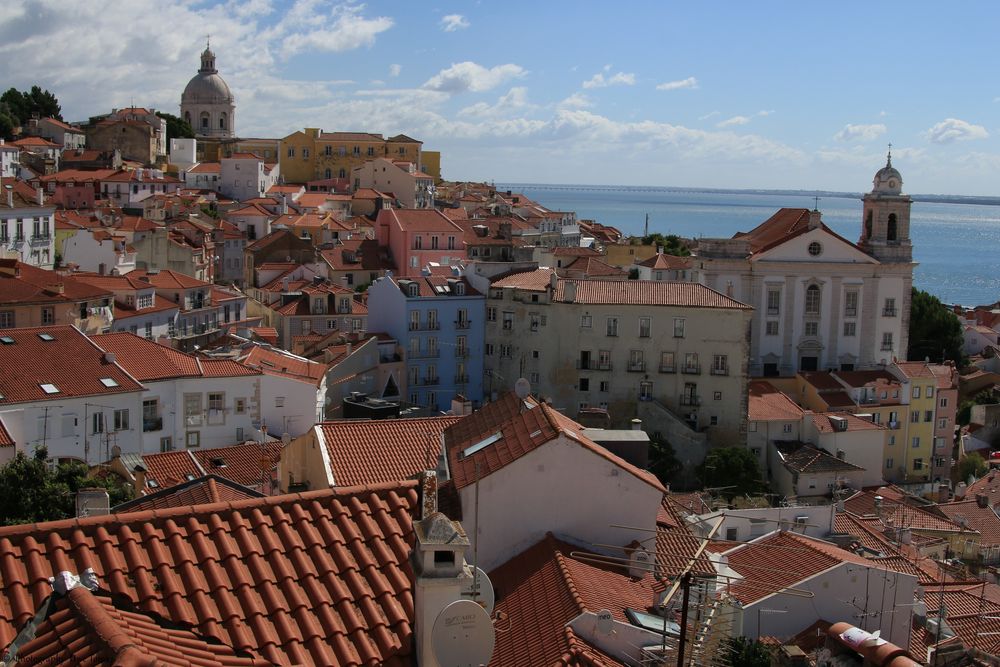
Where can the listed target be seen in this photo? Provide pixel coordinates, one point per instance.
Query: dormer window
(413, 289)
(459, 289)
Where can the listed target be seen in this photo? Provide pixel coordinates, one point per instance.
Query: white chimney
(569, 292)
(10, 196)
(40, 195)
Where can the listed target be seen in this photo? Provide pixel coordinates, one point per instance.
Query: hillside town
(328, 407)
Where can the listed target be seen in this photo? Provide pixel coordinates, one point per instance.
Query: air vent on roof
(46, 337)
(109, 382)
(152, 483)
(49, 388)
(482, 444)
(6, 340)
(219, 462)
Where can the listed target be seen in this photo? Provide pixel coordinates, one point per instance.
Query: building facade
(207, 103)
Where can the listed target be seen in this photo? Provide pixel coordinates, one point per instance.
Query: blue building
(439, 322)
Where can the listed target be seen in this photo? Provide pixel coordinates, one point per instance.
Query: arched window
(204, 120)
(890, 232)
(812, 300)
(329, 172)
(343, 173)
(868, 225)
(187, 117)
(222, 121)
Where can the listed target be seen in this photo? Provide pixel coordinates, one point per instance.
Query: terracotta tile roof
(85, 628)
(34, 141)
(240, 463)
(865, 378)
(225, 368)
(368, 255)
(767, 403)
(428, 286)
(383, 450)
(169, 279)
(664, 261)
(523, 426)
(69, 361)
(545, 588)
(987, 485)
(146, 360)
(22, 283)
(167, 469)
(5, 439)
(803, 458)
(800, 558)
(319, 578)
(198, 491)
(252, 210)
(822, 380)
(417, 220)
(594, 267)
(982, 519)
(824, 422)
(862, 503)
(279, 362)
(534, 281)
(574, 251)
(647, 293)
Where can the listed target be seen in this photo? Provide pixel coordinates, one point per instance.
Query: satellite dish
(463, 635)
(486, 597)
(522, 388)
(605, 622)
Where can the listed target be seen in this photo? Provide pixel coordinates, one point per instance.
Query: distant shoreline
(568, 187)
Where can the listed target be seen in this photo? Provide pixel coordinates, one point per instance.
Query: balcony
(720, 371)
(461, 379)
(427, 354)
(430, 381)
(691, 369)
(893, 426)
(149, 425)
(462, 324)
(637, 367)
(888, 312)
(591, 365)
(886, 347)
(668, 368)
(690, 399)
(773, 311)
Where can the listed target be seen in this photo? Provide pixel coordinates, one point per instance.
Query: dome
(206, 88)
(888, 180)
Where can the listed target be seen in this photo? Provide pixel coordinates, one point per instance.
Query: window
(786, 428)
(612, 326)
(929, 391)
(678, 327)
(604, 360)
(505, 351)
(667, 362)
(713, 420)
(815, 248)
(916, 441)
(773, 302)
(812, 300)
(720, 364)
(717, 395)
(97, 422)
(121, 420)
(943, 402)
(148, 333)
(645, 326)
(535, 321)
(491, 314)
(850, 328)
(584, 384)
(605, 386)
(771, 328)
(533, 378)
(851, 304)
(305, 153)
(943, 422)
(192, 409)
(291, 151)
(892, 439)
(691, 363)
(889, 310)
(915, 417)
(812, 329)
(928, 415)
(48, 316)
(916, 392)
(918, 464)
(488, 349)
(645, 391)
(240, 406)
(888, 463)
(635, 361)
(192, 439)
(508, 320)
(6, 319)
(887, 345)
(585, 321)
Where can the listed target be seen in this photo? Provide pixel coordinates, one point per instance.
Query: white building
(27, 226)
(244, 176)
(207, 103)
(76, 415)
(138, 309)
(99, 250)
(411, 187)
(10, 160)
(820, 301)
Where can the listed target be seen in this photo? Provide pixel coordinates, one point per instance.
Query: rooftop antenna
(888, 159)
(646, 232)
(816, 203)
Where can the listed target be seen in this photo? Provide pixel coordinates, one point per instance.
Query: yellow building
(625, 256)
(431, 164)
(311, 154)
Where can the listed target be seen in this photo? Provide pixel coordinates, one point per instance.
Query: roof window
(109, 382)
(49, 388)
(219, 462)
(46, 337)
(482, 444)
(6, 340)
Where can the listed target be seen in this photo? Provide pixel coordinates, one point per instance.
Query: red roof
(417, 220)
(22, 283)
(198, 491)
(168, 279)
(149, 361)
(824, 422)
(664, 261)
(785, 224)
(767, 403)
(863, 503)
(646, 293)
(5, 439)
(279, 362)
(319, 578)
(982, 519)
(534, 281)
(68, 361)
(594, 267)
(523, 426)
(383, 450)
(166, 469)
(85, 628)
(240, 463)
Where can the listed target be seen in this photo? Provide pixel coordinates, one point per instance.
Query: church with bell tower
(207, 103)
(820, 301)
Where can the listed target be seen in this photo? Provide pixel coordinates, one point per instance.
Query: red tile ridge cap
(208, 508)
(566, 575)
(107, 630)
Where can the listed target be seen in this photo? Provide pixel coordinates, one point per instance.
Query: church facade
(820, 301)
(207, 103)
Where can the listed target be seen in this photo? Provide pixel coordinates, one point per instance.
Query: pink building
(418, 236)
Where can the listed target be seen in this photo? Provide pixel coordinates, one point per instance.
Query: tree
(22, 105)
(973, 464)
(935, 331)
(663, 461)
(732, 470)
(985, 397)
(176, 127)
(671, 244)
(31, 490)
(745, 652)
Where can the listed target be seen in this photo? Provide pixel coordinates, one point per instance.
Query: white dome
(206, 88)
(888, 180)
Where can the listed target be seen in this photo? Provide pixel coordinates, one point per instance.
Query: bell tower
(885, 227)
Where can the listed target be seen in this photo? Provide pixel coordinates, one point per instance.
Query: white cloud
(733, 122)
(576, 101)
(515, 100)
(617, 79)
(395, 69)
(953, 129)
(453, 22)
(851, 132)
(470, 77)
(689, 82)
(710, 114)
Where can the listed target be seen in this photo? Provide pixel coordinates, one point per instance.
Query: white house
(27, 225)
(138, 308)
(77, 415)
(534, 472)
(10, 159)
(244, 176)
(99, 250)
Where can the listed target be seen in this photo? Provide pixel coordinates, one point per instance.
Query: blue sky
(741, 95)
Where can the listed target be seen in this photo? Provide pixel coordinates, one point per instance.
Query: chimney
(982, 500)
(636, 424)
(109, 357)
(439, 567)
(40, 195)
(92, 502)
(139, 482)
(569, 292)
(10, 196)
(814, 219)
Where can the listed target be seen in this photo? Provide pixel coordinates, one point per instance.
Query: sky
(781, 95)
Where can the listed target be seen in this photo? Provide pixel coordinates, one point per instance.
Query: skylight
(6, 340)
(109, 382)
(482, 444)
(49, 388)
(46, 337)
(652, 623)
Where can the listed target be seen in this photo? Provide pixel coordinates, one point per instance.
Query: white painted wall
(749, 524)
(560, 487)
